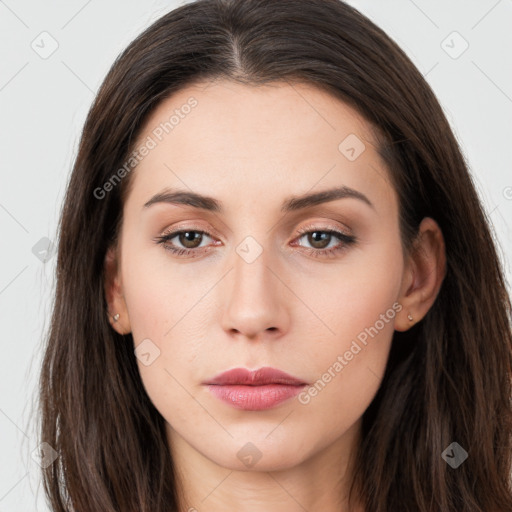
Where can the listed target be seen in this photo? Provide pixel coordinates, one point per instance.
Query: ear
(114, 292)
(423, 275)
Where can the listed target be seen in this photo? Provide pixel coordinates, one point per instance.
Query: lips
(254, 390)
(260, 377)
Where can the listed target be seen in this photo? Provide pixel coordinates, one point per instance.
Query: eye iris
(187, 237)
(321, 239)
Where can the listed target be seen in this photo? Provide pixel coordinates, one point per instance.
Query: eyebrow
(293, 203)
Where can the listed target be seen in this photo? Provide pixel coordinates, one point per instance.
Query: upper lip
(262, 376)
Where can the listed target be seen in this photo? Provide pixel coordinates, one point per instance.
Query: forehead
(276, 139)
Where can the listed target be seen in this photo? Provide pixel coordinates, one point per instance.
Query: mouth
(254, 390)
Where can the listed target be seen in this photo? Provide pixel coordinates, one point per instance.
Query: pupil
(189, 237)
(323, 238)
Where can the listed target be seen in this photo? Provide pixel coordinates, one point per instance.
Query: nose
(257, 298)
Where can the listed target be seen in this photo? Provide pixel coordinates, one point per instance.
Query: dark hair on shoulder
(448, 378)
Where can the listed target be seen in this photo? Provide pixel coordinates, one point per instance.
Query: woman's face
(267, 286)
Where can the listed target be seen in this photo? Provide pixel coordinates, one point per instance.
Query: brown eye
(184, 242)
(190, 239)
(319, 239)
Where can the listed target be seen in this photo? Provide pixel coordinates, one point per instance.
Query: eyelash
(347, 240)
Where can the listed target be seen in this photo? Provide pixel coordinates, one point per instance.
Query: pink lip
(254, 390)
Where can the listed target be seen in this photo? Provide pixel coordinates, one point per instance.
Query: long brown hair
(448, 378)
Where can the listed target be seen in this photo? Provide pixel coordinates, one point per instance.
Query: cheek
(167, 306)
(355, 301)
(356, 309)
(160, 293)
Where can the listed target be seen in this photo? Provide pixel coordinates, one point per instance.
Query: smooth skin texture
(251, 148)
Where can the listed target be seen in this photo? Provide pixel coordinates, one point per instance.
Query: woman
(277, 288)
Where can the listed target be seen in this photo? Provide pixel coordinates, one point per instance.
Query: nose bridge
(251, 267)
(252, 273)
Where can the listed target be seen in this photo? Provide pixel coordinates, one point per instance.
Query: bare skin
(252, 148)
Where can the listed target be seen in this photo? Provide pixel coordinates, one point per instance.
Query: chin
(254, 455)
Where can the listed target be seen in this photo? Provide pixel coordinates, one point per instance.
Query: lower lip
(255, 398)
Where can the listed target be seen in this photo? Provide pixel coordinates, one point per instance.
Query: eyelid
(312, 225)
(189, 226)
(318, 227)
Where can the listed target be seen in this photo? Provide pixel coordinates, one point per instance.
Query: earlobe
(117, 310)
(404, 321)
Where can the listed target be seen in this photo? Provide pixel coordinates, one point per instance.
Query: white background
(43, 103)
